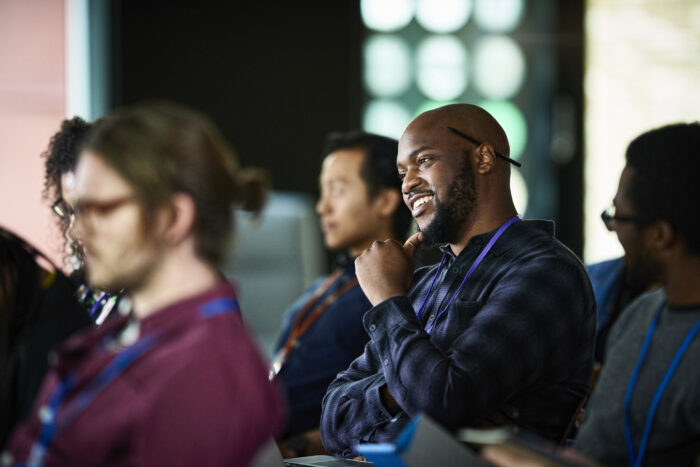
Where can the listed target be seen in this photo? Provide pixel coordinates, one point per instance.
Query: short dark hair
(666, 164)
(378, 170)
(163, 148)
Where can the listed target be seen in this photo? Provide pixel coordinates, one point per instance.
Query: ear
(182, 218)
(387, 201)
(661, 235)
(485, 159)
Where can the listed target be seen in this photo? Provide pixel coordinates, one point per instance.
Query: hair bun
(253, 186)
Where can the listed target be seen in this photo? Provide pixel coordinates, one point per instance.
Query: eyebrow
(413, 154)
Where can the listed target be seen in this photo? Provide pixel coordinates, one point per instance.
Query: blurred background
(572, 82)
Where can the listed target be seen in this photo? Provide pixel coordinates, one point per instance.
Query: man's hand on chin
(385, 269)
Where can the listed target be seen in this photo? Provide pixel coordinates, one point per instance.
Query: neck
(682, 282)
(179, 276)
(483, 220)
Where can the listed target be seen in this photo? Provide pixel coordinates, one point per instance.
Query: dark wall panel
(276, 76)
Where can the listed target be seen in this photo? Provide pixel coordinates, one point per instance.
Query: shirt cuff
(392, 312)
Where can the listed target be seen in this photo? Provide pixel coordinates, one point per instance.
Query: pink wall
(32, 105)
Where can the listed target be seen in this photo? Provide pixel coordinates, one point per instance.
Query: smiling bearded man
(501, 331)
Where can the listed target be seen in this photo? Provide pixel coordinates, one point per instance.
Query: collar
(178, 314)
(345, 262)
(505, 243)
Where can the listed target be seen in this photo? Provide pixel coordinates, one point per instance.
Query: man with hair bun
(61, 158)
(176, 380)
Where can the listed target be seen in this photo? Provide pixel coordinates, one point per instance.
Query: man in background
(322, 332)
(176, 379)
(644, 409)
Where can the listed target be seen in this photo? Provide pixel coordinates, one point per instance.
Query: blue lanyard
(476, 262)
(51, 427)
(636, 458)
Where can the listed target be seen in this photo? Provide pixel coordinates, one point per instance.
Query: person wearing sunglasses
(61, 158)
(646, 404)
(501, 331)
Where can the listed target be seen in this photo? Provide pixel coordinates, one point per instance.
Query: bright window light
(518, 189)
(386, 117)
(498, 15)
(387, 15)
(641, 73)
(387, 67)
(513, 122)
(499, 67)
(442, 67)
(442, 16)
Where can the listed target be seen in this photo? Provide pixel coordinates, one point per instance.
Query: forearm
(419, 376)
(352, 408)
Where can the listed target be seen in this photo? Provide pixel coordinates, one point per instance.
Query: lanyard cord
(51, 427)
(305, 318)
(636, 458)
(309, 314)
(476, 262)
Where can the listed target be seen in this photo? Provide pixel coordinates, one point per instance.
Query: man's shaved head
(455, 170)
(469, 119)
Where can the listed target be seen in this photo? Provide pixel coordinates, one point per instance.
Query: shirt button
(455, 270)
(386, 362)
(431, 318)
(372, 327)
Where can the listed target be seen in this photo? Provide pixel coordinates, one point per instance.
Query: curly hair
(62, 155)
(61, 158)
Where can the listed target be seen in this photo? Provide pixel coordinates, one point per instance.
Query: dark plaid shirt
(519, 334)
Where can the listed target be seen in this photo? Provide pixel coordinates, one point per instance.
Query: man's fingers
(412, 244)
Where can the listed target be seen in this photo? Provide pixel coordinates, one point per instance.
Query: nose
(321, 205)
(76, 228)
(70, 230)
(410, 181)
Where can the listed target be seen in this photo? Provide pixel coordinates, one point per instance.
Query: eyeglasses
(479, 143)
(610, 218)
(63, 210)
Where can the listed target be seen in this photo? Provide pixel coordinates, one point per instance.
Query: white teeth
(422, 201)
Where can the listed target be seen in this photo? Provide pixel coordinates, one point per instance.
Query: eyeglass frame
(479, 143)
(63, 210)
(609, 217)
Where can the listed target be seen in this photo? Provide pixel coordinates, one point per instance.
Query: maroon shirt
(199, 396)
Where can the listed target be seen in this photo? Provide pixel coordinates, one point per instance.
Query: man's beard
(641, 271)
(452, 215)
